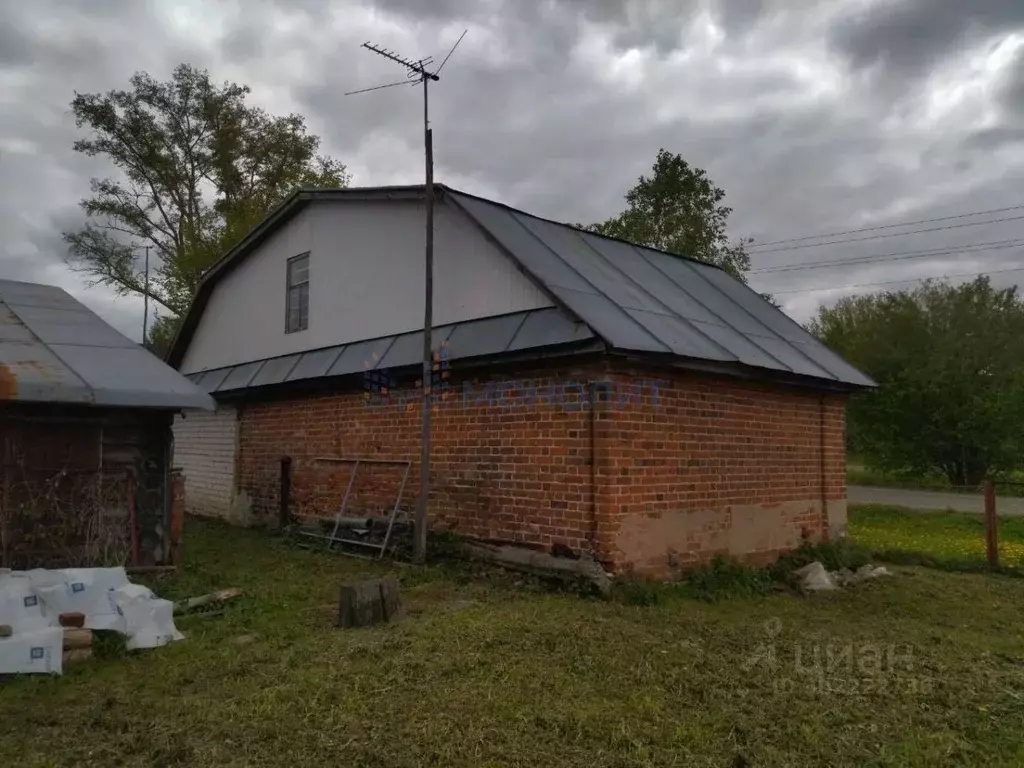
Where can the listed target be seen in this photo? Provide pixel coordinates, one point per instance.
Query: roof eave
(740, 371)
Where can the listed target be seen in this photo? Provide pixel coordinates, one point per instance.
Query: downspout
(822, 468)
(236, 459)
(599, 393)
(593, 469)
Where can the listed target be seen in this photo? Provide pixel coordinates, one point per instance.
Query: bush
(725, 578)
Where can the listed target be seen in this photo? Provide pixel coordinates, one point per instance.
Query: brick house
(642, 407)
(85, 437)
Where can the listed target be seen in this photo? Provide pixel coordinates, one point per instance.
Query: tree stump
(76, 655)
(77, 638)
(365, 603)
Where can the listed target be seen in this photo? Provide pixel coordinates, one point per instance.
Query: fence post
(991, 524)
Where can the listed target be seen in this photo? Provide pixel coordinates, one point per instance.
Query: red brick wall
(680, 459)
(510, 456)
(712, 466)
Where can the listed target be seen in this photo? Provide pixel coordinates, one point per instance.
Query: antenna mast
(418, 73)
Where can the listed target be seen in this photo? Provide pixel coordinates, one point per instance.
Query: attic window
(297, 301)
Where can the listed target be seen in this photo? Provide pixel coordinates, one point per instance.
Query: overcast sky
(844, 115)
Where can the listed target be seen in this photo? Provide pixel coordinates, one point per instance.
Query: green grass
(488, 672)
(944, 539)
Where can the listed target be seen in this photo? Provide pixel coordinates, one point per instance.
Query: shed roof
(634, 299)
(484, 337)
(55, 350)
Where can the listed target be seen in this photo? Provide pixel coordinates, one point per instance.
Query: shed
(85, 422)
(594, 395)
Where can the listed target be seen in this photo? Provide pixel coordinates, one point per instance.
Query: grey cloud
(41, 177)
(440, 11)
(740, 16)
(14, 48)
(246, 42)
(530, 111)
(1012, 93)
(905, 39)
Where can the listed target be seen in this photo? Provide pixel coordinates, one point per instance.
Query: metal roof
(460, 341)
(635, 299)
(641, 300)
(55, 350)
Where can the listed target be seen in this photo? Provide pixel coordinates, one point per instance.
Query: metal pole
(145, 299)
(422, 507)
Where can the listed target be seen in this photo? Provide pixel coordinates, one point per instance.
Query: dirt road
(961, 502)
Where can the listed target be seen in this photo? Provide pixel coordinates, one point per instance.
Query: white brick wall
(204, 449)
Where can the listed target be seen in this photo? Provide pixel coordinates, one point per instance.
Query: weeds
(725, 578)
(949, 540)
(834, 555)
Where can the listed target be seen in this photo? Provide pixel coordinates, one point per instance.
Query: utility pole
(418, 73)
(145, 301)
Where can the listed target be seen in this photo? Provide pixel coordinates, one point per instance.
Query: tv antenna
(417, 72)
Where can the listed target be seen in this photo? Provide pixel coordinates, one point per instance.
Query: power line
(386, 85)
(894, 282)
(452, 51)
(891, 234)
(887, 226)
(967, 248)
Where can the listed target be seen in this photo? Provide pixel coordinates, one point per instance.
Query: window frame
(289, 287)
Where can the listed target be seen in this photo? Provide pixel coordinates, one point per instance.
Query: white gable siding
(366, 280)
(205, 446)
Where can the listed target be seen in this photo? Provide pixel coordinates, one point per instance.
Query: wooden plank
(541, 564)
(221, 596)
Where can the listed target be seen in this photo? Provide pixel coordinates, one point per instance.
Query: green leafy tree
(195, 169)
(948, 360)
(161, 334)
(680, 210)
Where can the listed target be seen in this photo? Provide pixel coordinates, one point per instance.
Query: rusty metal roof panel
(55, 350)
(30, 371)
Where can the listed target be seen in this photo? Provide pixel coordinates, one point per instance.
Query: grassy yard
(948, 538)
(923, 669)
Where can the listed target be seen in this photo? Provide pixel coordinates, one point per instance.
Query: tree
(678, 209)
(161, 334)
(197, 169)
(948, 362)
